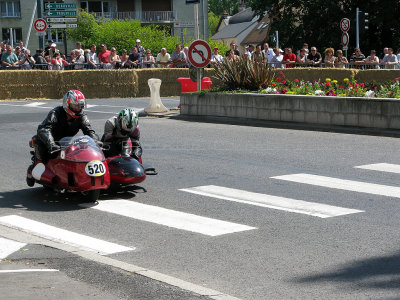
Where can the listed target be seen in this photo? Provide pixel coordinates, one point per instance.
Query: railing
(143, 16)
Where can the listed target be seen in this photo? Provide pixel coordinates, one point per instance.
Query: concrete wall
(361, 112)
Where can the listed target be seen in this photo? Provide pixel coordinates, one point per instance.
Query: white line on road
(269, 201)
(28, 270)
(383, 167)
(8, 247)
(62, 236)
(170, 218)
(34, 104)
(342, 184)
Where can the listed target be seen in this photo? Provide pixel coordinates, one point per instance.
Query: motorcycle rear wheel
(91, 196)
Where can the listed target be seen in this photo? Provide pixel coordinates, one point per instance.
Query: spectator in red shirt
(103, 55)
(289, 58)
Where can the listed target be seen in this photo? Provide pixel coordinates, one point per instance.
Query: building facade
(16, 17)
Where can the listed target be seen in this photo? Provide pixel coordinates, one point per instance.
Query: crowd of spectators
(51, 58)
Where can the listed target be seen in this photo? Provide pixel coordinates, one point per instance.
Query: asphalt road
(269, 251)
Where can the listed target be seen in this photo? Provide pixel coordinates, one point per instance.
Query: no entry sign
(40, 25)
(199, 53)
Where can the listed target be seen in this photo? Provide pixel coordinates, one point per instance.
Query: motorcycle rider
(118, 130)
(62, 121)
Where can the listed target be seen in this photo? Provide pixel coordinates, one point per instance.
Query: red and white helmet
(74, 102)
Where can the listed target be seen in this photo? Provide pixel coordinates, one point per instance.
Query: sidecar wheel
(92, 196)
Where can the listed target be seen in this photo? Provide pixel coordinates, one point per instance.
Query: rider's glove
(54, 148)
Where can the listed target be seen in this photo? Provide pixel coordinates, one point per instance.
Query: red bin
(187, 85)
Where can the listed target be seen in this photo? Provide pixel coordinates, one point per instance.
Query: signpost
(61, 20)
(63, 26)
(199, 55)
(345, 26)
(60, 13)
(60, 6)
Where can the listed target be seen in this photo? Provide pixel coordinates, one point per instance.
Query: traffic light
(363, 17)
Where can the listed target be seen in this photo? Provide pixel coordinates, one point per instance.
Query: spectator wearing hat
(276, 60)
(49, 45)
(104, 54)
(163, 59)
(216, 58)
(139, 47)
(51, 52)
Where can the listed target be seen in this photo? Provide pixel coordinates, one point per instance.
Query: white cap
(281, 51)
(53, 45)
(138, 41)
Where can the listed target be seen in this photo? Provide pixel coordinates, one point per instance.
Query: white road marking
(269, 201)
(62, 236)
(8, 247)
(342, 184)
(383, 167)
(33, 104)
(28, 270)
(90, 105)
(170, 218)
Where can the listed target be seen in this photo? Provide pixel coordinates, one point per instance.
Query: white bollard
(155, 105)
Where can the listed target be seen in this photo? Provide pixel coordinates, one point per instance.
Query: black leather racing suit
(56, 126)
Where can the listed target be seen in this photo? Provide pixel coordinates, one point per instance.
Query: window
(95, 6)
(10, 9)
(16, 35)
(55, 35)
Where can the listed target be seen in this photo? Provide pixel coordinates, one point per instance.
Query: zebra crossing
(196, 224)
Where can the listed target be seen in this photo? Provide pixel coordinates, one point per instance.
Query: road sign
(60, 13)
(62, 20)
(183, 25)
(345, 48)
(63, 25)
(345, 39)
(199, 53)
(193, 73)
(41, 33)
(40, 25)
(60, 6)
(345, 24)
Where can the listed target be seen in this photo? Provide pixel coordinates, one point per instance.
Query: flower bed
(329, 87)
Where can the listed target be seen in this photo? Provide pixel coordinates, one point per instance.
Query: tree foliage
(218, 6)
(317, 22)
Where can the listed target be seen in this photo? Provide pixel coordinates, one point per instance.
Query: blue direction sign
(60, 6)
(60, 13)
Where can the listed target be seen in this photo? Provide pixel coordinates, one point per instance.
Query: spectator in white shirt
(92, 58)
(268, 52)
(216, 58)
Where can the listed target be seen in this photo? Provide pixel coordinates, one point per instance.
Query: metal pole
(205, 19)
(39, 15)
(65, 42)
(277, 39)
(196, 21)
(182, 41)
(198, 73)
(30, 26)
(357, 29)
(11, 38)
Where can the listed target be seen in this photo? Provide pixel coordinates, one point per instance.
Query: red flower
(328, 84)
(299, 80)
(278, 79)
(362, 84)
(397, 79)
(283, 81)
(273, 84)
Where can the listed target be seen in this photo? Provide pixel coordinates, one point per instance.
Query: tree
(219, 6)
(317, 22)
(213, 22)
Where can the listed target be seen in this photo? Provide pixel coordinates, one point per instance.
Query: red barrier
(187, 85)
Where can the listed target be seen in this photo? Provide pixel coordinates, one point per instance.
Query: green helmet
(128, 120)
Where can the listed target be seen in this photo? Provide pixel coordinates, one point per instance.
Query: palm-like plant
(243, 74)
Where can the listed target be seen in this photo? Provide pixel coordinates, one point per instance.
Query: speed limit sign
(40, 25)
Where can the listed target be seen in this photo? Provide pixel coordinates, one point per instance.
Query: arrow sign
(60, 6)
(199, 53)
(62, 20)
(63, 25)
(60, 13)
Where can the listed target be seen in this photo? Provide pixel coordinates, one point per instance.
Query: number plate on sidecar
(95, 168)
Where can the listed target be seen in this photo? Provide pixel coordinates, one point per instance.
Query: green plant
(243, 74)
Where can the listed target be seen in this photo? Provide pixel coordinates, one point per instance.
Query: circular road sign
(193, 73)
(345, 24)
(40, 25)
(345, 39)
(199, 53)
